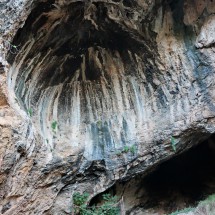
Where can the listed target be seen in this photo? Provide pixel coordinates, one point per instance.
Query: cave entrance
(176, 184)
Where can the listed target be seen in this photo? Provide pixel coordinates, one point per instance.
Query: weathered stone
(99, 92)
(3, 100)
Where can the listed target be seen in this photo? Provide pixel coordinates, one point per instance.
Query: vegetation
(127, 149)
(208, 200)
(99, 124)
(204, 207)
(11, 47)
(54, 125)
(186, 210)
(109, 206)
(173, 144)
(80, 199)
(29, 112)
(131, 149)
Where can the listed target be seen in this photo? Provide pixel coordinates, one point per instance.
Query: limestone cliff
(96, 92)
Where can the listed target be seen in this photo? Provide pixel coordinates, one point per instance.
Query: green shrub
(126, 149)
(29, 112)
(54, 125)
(173, 144)
(131, 149)
(109, 206)
(80, 199)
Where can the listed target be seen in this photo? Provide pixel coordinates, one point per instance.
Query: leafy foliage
(131, 149)
(80, 199)
(54, 125)
(29, 112)
(14, 49)
(173, 144)
(99, 124)
(109, 206)
(126, 149)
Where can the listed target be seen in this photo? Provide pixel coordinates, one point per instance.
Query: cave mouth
(183, 181)
(178, 183)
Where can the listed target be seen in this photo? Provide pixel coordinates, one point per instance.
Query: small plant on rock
(132, 149)
(29, 112)
(173, 144)
(54, 126)
(13, 49)
(126, 149)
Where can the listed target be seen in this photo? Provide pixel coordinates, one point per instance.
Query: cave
(178, 183)
(107, 96)
(184, 180)
(76, 67)
(91, 78)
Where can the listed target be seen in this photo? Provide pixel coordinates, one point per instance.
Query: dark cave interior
(189, 177)
(178, 183)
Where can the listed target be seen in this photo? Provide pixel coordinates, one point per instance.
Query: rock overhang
(136, 101)
(72, 59)
(95, 76)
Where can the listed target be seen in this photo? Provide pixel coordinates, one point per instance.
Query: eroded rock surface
(99, 91)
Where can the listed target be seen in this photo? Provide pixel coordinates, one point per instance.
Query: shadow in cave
(183, 180)
(175, 184)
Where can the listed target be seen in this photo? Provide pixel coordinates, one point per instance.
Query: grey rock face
(105, 90)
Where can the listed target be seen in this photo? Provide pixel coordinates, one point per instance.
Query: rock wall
(98, 92)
